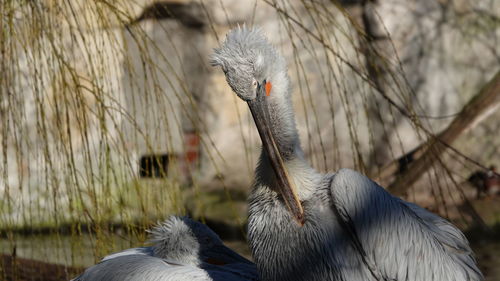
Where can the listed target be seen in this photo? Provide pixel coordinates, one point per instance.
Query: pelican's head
(249, 62)
(257, 74)
(185, 241)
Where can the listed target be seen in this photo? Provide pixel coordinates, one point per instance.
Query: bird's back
(130, 266)
(141, 268)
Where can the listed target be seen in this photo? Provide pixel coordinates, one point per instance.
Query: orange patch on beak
(268, 88)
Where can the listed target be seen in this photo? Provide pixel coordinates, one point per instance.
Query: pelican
(182, 249)
(304, 225)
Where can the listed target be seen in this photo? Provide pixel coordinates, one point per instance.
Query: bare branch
(408, 168)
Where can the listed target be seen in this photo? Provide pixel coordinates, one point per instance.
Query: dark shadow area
(189, 14)
(479, 235)
(486, 247)
(154, 166)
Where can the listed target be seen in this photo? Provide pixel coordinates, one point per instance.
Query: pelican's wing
(141, 268)
(400, 240)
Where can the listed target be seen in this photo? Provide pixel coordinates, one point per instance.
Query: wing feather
(404, 241)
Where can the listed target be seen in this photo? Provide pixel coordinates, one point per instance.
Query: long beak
(260, 113)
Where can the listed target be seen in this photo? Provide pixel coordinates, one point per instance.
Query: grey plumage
(182, 249)
(353, 229)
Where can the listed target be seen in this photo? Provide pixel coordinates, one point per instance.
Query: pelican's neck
(282, 118)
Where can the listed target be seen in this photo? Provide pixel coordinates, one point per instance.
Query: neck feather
(282, 117)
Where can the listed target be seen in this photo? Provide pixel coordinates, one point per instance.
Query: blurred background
(111, 118)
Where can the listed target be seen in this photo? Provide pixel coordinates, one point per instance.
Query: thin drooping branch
(405, 170)
(375, 44)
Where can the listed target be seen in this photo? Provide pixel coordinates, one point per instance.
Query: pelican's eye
(254, 83)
